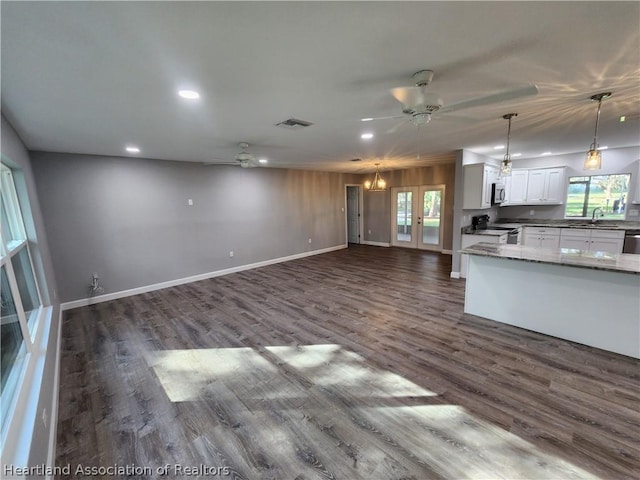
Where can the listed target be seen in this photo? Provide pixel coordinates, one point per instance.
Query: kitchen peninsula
(587, 297)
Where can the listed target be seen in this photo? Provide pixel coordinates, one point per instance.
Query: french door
(416, 217)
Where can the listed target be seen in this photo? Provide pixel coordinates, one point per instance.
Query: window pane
(26, 282)
(607, 192)
(11, 340)
(12, 227)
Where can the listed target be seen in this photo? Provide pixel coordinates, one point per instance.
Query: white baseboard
(181, 281)
(376, 244)
(455, 275)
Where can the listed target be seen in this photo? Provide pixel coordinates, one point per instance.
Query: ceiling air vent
(294, 124)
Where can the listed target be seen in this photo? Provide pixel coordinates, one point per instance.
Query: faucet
(593, 214)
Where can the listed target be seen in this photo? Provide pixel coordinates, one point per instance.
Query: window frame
(29, 327)
(587, 180)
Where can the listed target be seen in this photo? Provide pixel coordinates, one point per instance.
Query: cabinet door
(550, 241)
(609, 245)
(554, 186)
(579, 243)
(517, 194)
(535, 186)
(531, 240)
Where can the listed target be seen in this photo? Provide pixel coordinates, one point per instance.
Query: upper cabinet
(546, 186)
(477, 182)
(636, 197)
(515, 186)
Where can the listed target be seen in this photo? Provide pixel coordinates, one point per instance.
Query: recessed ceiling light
(498, 147)
(366, 136)
(516, 155)
(622, 118)
(189, 94)
(132, 149)
(369, 119)
(263, 160)
(545, 153)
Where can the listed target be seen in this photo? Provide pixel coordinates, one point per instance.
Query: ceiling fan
(243, 158)
(419, 105)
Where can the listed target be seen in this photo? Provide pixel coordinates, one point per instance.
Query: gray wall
(377, 205)
(128, 220)
(15, 155)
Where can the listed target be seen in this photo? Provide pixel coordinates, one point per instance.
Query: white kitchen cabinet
(542, 237)
(516, 187)
(545, 186)
(477, 181)
(636, 197)
(610, 241)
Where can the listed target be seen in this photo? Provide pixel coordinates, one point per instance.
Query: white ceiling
(87, 77)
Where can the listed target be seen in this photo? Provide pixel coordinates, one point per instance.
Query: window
(608, 192)
(21, 302)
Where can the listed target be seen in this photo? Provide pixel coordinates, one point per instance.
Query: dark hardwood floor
(356, 364)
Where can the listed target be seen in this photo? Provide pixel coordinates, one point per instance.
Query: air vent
(294, 124)
(356, 159)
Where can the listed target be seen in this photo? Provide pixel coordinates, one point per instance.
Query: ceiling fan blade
(489, 99)
(409, 96)
(371, 119)
(397, 126)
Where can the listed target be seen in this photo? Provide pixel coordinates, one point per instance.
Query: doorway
(354, 213)
(416, 217)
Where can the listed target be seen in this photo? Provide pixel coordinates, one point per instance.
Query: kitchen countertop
(623, 262)
(509, 223)
(488, 231)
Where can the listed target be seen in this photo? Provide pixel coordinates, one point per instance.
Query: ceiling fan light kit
(594, 156)
(506, 165)
(378, 184)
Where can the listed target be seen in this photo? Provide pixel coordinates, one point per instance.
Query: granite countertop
(623, 262)
(507, 223)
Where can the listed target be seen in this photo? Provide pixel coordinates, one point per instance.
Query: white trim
(181, 281)
(376, 244)
(53, 414)
(446, 252)
(455, 275)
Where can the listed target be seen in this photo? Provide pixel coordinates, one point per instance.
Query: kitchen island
(591, 298)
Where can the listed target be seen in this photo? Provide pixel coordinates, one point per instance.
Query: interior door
(417, 215)
(353, 214)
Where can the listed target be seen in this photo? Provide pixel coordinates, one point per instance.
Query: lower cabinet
(610, 241)
(542, 237)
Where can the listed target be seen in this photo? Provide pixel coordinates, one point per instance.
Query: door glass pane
(431, 217)
(26, 283)
(11, 339)
(403, 220)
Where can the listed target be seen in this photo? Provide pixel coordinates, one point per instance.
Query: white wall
(615, 160)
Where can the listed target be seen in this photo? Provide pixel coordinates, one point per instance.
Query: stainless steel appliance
(497, 193)
(631, 242)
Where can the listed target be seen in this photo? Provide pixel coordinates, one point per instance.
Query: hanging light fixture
(378, 184)
(594, 156)
(505, 166)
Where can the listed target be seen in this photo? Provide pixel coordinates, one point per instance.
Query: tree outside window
(608, 192)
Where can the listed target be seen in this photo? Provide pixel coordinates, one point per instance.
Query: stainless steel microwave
(497, 193)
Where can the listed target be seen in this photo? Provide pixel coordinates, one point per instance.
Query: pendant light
(378, 184)
(505, 166)
(594, 156)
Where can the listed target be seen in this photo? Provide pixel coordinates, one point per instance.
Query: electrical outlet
(231, 253)
(532, 212)
(369, 232)
(309, 240)
(190, 202)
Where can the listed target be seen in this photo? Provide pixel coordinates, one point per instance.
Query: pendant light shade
(505, 166)
(378, 184)
(594, 156)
